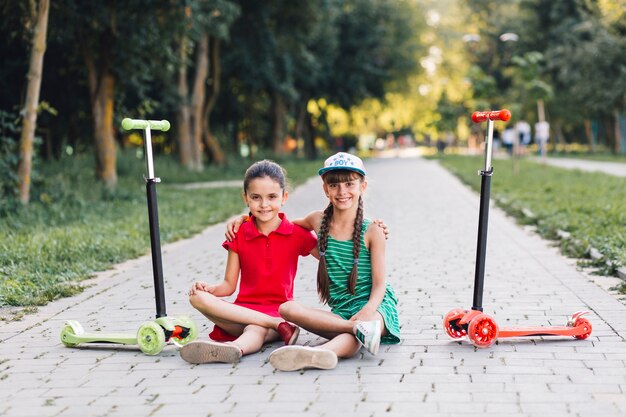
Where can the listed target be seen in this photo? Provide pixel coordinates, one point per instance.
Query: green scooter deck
(120, 338)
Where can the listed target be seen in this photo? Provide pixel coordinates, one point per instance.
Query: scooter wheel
(586, 325)
(151, 338)
(188, 324)
(71, 328)
(482, 331)
(451, 324)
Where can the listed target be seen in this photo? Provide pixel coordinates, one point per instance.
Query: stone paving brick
(430, 260)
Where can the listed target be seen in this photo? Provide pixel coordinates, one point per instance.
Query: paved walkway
(430, 260)
(612, 168)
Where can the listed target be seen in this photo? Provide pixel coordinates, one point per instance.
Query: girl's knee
(288, 310)
(202, 300)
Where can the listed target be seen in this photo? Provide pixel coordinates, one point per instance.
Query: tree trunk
(559, 137)
(279, 121)
(305, 130)
(618, 132)
(310, 150)
(101, 91)
(102, 109)
(198, 96)
(213, 146)
(29, 123)
(183, 112)
(101, 83)
(589, 134)
(541, 113)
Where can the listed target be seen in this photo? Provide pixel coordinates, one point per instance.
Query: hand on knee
(202, 300)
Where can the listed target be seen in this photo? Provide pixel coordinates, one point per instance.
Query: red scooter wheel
(586, 324)
(451, 324)
(482, 331)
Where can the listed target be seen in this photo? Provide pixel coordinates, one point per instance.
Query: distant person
(441, 146)
(524, 134)
(496, 140)
(508, 139)
(542, 135)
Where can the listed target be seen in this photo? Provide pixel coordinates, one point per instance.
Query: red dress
(268, 266)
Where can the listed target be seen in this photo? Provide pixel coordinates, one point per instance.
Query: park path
(430, 262)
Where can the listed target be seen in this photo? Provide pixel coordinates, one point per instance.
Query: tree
(29, 122)
(207, 23)
(122, 45)
(375, 52)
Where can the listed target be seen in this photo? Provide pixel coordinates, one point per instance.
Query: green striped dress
(339, 261)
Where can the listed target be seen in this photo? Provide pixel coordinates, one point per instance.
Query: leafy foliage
(9, 159)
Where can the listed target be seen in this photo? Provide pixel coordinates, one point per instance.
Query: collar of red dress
(250, 230)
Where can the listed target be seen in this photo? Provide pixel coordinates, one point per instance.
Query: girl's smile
(265, 197)
(344, 195)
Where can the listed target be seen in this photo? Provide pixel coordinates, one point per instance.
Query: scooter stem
(155, 247)
(153, 211)
(483, 221)
(149, 160)
(488, 146)
(481, 247)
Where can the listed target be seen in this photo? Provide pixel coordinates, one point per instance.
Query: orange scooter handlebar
(481, 116)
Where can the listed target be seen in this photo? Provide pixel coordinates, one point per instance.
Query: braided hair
(323, 285)
(323, 280)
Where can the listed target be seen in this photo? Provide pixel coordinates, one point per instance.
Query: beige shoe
(209, 351)
(293, 358)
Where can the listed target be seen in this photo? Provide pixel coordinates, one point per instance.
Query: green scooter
(152, 335)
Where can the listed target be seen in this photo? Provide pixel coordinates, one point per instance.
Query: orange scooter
(481, 329)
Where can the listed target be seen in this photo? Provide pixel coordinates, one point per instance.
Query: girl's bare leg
(320, 322)
(231, 317)
(344, 345)
(253, 338)
(338, 331)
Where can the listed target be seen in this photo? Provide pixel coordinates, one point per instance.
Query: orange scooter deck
(542, 331)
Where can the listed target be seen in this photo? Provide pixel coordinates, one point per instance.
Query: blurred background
(290, 80)
(239, 79)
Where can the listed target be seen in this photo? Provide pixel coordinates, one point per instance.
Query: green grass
(589, 206)
(74, 227)
(603, 157)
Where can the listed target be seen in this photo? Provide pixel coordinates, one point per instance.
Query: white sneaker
(368, 333)
(293, 358)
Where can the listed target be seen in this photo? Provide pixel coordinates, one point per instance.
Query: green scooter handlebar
(130, 124)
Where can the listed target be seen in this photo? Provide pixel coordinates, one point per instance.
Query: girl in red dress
(265, 254)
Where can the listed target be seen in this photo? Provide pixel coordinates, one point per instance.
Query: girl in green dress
(351, 277)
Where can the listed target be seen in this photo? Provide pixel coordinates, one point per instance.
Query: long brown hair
(323, 281)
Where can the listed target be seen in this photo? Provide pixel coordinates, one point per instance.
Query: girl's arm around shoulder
(311, 221)
(375, 238)
(233, 225)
